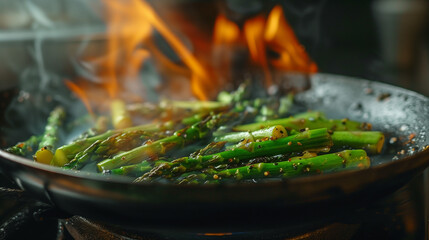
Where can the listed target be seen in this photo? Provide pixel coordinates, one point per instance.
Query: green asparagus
(66, 153)
(50, 137)
(293, 123)
(159, 148)
(272, 133)
(112, 145)
(25, 148)
(315, 140)
(371, 141)
(334, 162)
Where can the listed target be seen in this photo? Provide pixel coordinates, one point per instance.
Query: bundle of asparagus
(192, 142)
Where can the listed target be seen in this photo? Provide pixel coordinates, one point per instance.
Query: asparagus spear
(158, 148)
(120, 115)
(66, 153)
(211, 148)
(82, 157)
(318, 139)
(25, 148)
(166, 105)
(50, 137)
(371, 141)
(273, 133)
(110, 146)
(194, 119)
(345, 160)
(133, 170)
(196, 106)
(293, 123)
(176, 109)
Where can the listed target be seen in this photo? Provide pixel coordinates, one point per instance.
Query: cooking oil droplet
(393, 140)
(403, 128)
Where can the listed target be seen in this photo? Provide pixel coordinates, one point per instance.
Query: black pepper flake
(276, 163)
(366, 126)
(383, 96)
(251, 166)
(302, 130)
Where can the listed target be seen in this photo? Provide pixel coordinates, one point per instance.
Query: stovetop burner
(401, 215)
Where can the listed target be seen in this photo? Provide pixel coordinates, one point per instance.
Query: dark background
(346, 37)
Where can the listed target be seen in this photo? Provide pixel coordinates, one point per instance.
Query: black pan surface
(235, 207)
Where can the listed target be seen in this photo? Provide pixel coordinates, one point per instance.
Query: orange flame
(254, 32)
(130, 42)
(142, 14)
(225, 31)
(125, 33)
(280, 37)
(262, 34)
(81, 94)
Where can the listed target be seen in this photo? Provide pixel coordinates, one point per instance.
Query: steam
(42, 30)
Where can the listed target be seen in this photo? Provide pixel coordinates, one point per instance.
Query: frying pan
(238, 207)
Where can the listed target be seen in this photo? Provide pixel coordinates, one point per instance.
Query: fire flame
(81, 94)
(262, 34)
(225, 31)
(254, 32)
(131, 25)
(280, 37)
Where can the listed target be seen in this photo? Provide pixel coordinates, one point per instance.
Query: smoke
(39, 39)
